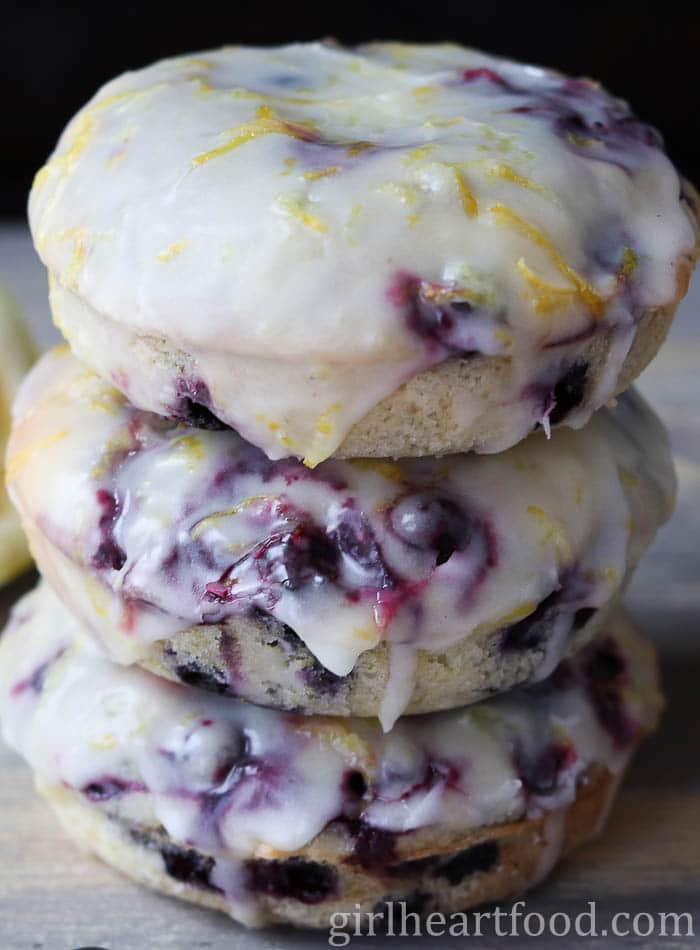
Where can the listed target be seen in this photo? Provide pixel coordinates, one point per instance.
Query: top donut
(393, 250)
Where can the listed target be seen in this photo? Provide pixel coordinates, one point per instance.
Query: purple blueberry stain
(360, 555)
(182, 864)
(568, 392)
(371, 847)
(296, 878)
(435, 314)
(194, 674)
(108, 554)
(193, 405)
(540, 773)
(344, 553)
(189, 866)
(107, 787)
(569, 598)
(35, 681)
(606, 675)
(480, 858)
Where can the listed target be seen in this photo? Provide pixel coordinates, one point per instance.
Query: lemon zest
(589, 296)
(296, 208)
(23, 455)
(265, 123)
(321, 172)
(198, 529)
(172, 251)
(466, 197)
(508, 173)
(629, 261)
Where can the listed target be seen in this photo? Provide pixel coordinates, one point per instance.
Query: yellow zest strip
(192, 448)
(592, 299)
(508, 173)
(82, 128)
(357, 147)
(265, 123)
(389, 470)
(295, 208)
(323, 428)
(419, 152)
(629, 261)
(466, 198)
(172, 250)
(425, 92)
(20, 458)
(582, 141)
(321, 172)
(193, 62)
(517, 613)
(200, 527)
(77, 259)
(548, 296)
(437, 122)
(552, 532)
(323, 424)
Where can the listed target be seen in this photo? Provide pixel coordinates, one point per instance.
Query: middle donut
(361, 587)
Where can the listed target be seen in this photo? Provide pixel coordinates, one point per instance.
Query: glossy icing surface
(327, 223)
(237, 780)
(146, 527)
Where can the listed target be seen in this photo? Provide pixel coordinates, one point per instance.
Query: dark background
(54, 56)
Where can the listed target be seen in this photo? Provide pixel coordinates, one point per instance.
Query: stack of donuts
(338, 483)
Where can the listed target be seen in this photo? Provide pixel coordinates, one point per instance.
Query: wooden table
(647, 861)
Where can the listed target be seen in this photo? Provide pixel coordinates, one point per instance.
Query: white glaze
(81, 721)
(587, 502)
(228, 202)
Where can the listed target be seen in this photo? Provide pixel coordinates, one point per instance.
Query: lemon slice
(17, 353)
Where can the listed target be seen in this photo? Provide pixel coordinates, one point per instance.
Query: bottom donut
(274, 817)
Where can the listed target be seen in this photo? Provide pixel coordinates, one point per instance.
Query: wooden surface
(647, 860)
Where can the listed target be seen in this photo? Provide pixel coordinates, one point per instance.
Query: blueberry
(287, 559)
(300, 557)
(415, 903)
(480, 857)
(108, 554)
(193, 405)
(372, 847)
(355, 784)
(535, 629)
(483, 73)
(108, 787)
(346, 554)
(540, 773)
(568, 392)
(321, 680)
(583, 616)
(434, 522)
(307, 881)
(432, 313)
(188, 866)
(183, 864)
(354, 539)
(194, 674)
(606, 676)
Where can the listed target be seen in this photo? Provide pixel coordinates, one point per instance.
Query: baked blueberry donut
(276, 817)
(393, 251)
(360, 587)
